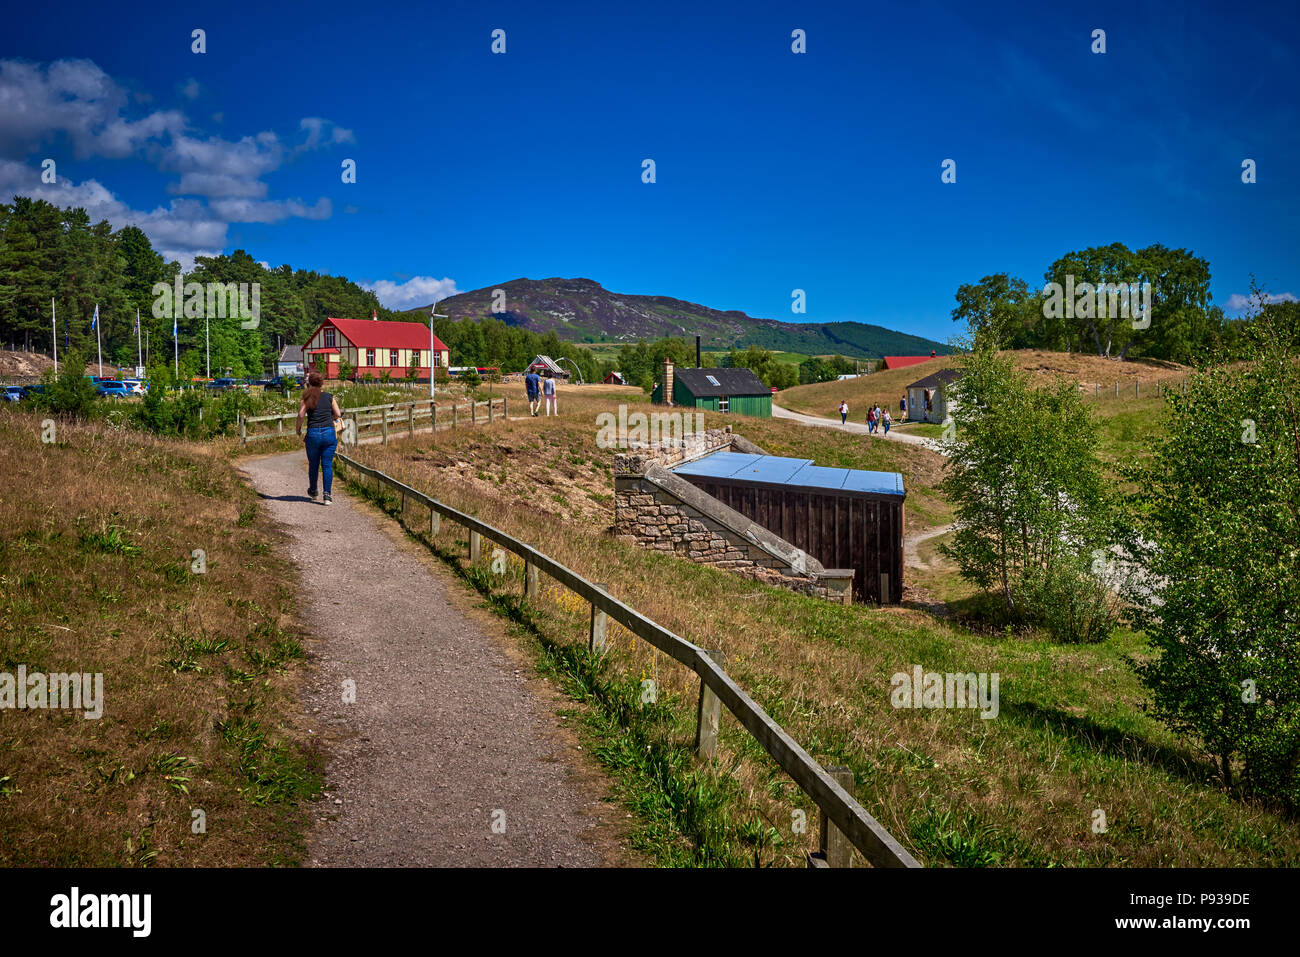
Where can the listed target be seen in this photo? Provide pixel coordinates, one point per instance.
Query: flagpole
(207, 350)
(55, 323)
(99, 346)
(139, 348)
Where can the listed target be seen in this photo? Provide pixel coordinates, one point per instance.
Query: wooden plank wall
(840, 531)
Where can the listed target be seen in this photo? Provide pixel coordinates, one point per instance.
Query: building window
(437, 358)
(415, 357)
(724, 403)
(329, 338)
(392, 357)
(370, 357)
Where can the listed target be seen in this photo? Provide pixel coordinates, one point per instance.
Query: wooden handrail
(840, 808)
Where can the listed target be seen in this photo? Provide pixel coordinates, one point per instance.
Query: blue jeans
(321, 443)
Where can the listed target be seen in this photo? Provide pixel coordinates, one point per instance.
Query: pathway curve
(858, 428)
(446, 737)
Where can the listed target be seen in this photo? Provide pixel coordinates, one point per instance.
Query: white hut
(927, 399)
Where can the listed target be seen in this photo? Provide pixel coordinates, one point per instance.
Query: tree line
(1075, 316)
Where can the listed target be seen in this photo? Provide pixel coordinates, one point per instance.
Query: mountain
(581, 310)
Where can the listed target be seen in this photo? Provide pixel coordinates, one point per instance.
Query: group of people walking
(877, 417)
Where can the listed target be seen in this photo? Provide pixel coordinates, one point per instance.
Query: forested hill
(581, 310)
(50, 253)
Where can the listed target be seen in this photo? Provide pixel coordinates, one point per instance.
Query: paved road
(446, 731)
(858, 428)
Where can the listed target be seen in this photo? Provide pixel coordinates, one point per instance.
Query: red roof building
(902, 362)
(375, 346)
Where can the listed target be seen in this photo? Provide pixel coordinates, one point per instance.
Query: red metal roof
(901, 362)
(381, 334)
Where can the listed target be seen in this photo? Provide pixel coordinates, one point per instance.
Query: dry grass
(1017, 790)
(823, 398)
(95, 576)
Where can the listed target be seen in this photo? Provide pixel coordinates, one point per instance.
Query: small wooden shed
(927, 399)
(844, 518)
(718, 390)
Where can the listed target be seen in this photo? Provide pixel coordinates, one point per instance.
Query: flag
(173, 327)
(95, 319)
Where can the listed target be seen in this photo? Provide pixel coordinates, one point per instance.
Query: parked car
(31, 390)
(223, 385)
(135, 386)
(113, 387)
(13, 393)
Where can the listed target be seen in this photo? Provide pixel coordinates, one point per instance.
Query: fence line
(838, 806)
(385, 415)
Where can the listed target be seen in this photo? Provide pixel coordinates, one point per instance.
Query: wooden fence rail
(838, 806)
(402, 413)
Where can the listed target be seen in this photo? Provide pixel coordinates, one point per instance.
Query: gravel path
(858, 428)
(448, 735)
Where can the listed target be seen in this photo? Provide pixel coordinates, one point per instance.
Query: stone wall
(659, 509)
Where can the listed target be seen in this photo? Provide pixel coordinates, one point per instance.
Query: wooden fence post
(835, 847)
(279, 425)
(455, 409)
(708, 713)
(435, 521)
(475, 547)
(1097, 393)
(532, 584)
(491, 405)
(410, 420)
(383, 420)
(505, 407)
(243, 434)
(1137, 388)
(1117, 388)
(599, 623)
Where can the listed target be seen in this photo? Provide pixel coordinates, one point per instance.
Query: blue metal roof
(780, 470)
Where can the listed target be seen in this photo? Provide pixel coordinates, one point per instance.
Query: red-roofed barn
(902, 362)
(375, 346)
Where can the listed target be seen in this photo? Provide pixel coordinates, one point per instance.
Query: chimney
(697, 353)
(668, 381)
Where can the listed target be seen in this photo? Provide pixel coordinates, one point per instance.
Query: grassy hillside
(96, 575)
(1019, 789)
(1096, 377)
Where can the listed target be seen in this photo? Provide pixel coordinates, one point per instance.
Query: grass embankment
(97, 575)
(1020, 789)
(1094, 375)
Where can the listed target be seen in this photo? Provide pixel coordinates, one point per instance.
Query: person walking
(844, 412)
(548, 390)
(886, 420)
(533, 385)
(902, 407)
(871, 420)
(322, 412)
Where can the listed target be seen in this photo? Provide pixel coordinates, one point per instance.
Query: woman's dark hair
(312, 395)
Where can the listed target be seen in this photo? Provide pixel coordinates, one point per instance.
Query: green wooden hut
(717, 390)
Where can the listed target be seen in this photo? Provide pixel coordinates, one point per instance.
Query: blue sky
(774, 171)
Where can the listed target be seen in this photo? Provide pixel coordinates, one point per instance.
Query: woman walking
(886, 421)
(322, 412)
(844, 412)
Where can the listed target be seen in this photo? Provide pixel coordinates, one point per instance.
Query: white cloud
(75, 101)
(1239, 303)
(416, 291)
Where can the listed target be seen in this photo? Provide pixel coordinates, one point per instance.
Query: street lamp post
(433, 355)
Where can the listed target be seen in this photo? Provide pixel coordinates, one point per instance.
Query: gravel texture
(451, 733)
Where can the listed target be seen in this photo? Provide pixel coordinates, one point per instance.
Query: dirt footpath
(451, 754)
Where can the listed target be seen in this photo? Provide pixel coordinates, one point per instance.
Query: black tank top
(323, 415)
